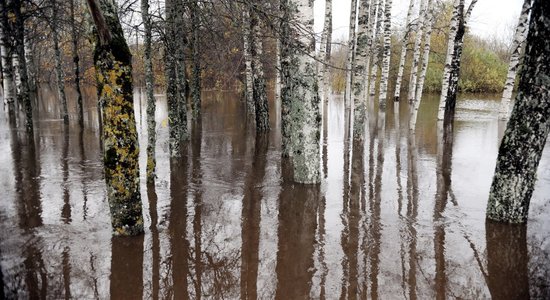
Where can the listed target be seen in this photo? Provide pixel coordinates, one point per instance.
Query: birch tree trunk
(181, 77)
(249, 84)
(359, 71)
(517, 46)
(176, 103)
(7, 67)
(351, 51)
(24, 95)
(387, 56)
(454, 71)
(259, 92)
(416, 52)
(527, 130)
(302, 90)
(149, 86)
(376, 48)
(112, 61)
(76, 61)
(429, 19)
(31, 67)
(60, 76)
(323, 55)
(453, 28)
(403, 55)
(196, 67)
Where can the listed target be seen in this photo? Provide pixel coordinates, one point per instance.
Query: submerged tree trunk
(376, 48)
(359, 71)
(386, 57)
(76, 61)
(177, 124)
(403, 55)
(351, 52)
(451, 89)
(523, 142)
(7, 67)
(149, 86)
(60, 76)
(301, 88)
(196, 66)
(260, 96)
(416, 51)
(112, 61)
(323, 55)
(249, 84)
(24, 95)
(517, 46)
(425, 60)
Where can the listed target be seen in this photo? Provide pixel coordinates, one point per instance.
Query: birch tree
(416, 51)
(527, 130)
(301, 89)
(376, 48)
(196, 64)
(323, 54)
(351, 50)
(517, 45)
(60, 76)
(247, 56)
(428, 27)
(386, 56)
(7, 67)
(260, 96)
(451, 73)
(149, 85)
(360, 72)
(112, 62)
(403, 53)
(76, 61)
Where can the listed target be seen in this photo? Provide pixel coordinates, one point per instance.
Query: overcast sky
(489, 17)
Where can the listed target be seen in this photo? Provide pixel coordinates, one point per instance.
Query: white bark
(448, 60)
(60, 76)
(323, 59)
(416, 51)
(428, 23)
(360, 71)
(351, 51)
(517, 46)
(376, 48)
(387, 56)
(7, 71)
(247, 61)
(403, 55)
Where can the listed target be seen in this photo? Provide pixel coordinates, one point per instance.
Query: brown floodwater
(397, 216)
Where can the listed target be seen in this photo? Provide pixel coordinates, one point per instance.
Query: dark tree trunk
(24, 95)
(525, 136)
(76, 61)
(261, 108)
(112, 61)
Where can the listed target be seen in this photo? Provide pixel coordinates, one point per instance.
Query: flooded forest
(276, 149)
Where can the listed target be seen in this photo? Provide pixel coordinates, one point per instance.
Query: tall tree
(301, 89)
(247, 56)
(351, 51)
(323, 54)
(403, 55)
(416, 51)
(6, 49)
(376, 47)
(196, 64)
(149, 86)
(517, 48)
(261, 108)
(527, 130)
(386, 56)
(449, 88)
(76, 61)
(360, 72)
(112, 60)
(60, 75)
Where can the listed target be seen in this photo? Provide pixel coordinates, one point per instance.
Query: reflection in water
(298, 205)
(225, 224)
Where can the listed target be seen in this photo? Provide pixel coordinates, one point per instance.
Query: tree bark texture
(60, 76)
(323, 54)
(517, 48)
(249, 84)
(24, 96)
(351, 52)
(112, 61)
(196, 67)
(376, 48)
(386, 56)
(76, 62)
(526, 132)
(149, 91)
(360, 72)
(6, 50)
(259, 86)
(403, 55)
(416, 51)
